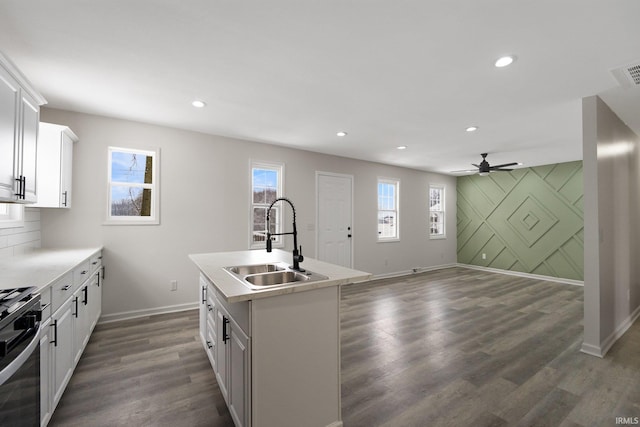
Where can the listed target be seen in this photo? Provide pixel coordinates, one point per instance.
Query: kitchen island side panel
(296, 359)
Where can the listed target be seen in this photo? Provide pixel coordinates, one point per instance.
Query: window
(436, 211)
(133, 186)
(388, 227)
(266, 186)
(11, 215)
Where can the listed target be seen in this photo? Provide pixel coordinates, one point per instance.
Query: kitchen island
(275, 350)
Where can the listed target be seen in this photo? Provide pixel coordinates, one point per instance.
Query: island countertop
(40, 267)
(212, 266)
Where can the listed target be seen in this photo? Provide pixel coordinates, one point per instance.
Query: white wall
(204, 183)
(612, 230)
(19, 240)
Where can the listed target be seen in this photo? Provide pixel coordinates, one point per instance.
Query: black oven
(20, 317)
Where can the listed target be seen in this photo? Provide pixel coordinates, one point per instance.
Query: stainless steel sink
(276, 278)
(260, 276)
(244, 270)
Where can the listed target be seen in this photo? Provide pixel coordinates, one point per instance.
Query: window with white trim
(266, 186)
(388, 217)
(436, 211)
(133, 194)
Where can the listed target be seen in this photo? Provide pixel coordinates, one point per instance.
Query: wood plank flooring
(150, 371)
(453, 347)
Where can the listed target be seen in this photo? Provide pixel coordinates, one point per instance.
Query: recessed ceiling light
(401, 147)
(341, 133)
(198, 104)
(472, 128)
(504, 61)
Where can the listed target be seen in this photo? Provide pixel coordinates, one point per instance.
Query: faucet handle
(300, 257)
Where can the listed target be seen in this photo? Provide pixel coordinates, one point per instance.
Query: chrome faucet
(297, 255)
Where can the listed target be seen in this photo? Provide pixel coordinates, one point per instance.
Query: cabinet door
(66, 159)
(62, 349)
(95, 299)
(222, 333)
(81, 325)
(238, 389)
(29, 142)
(9, 93)
(203, 310)
(46, 348)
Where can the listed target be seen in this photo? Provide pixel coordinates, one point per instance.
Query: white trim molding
(134, 314)
(527, 275)
(605, 346)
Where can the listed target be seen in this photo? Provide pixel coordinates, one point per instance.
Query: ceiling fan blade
(465, 171)
(473, 164)
(504, 165)
(501, 170)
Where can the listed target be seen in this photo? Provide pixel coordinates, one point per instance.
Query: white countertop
(212, 264)
(40, 267)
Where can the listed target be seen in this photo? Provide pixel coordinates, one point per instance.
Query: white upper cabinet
(55, 159)
(19, 119)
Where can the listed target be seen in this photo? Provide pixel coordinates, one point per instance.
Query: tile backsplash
(16, 241)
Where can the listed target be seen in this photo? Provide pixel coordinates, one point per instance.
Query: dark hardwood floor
(454, 347)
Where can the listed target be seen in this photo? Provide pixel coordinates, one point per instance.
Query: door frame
(336, 175)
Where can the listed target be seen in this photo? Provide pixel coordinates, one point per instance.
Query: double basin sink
(260, 276)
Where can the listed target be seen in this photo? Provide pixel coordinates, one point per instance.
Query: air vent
(628, 75)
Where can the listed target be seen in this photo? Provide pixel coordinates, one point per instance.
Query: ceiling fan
(484, 167)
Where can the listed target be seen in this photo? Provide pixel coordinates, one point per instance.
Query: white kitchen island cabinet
(276, 350)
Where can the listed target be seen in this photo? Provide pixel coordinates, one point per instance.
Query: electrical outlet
(484, 256)
(174, 285)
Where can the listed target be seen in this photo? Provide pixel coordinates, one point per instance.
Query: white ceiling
(390, 73)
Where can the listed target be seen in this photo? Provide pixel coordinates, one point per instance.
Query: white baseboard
(336, 424)
(592, 350)
(412, 271)
(527, 275)
(124, 315)
(607, 343)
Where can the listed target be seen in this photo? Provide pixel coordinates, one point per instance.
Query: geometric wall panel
(528, 220)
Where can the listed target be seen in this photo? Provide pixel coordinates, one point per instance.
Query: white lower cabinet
(228, 348)
(76, 301)
(61, 365)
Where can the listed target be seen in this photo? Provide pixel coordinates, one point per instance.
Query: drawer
(95, 262)
(81, 273)
(61, 291)
(45, 302)
(211, 309)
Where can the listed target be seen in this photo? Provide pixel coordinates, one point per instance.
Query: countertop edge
(42, 267)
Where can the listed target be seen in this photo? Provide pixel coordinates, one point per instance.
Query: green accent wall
(529, 220)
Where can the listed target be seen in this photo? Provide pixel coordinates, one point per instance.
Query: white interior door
(334, 203)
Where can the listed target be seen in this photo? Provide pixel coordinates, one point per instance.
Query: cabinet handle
(210, 307)
(44, 307)
(102, 270)
(225, 336)
(55, 333)
(98, 274)
(204, 294)
(209, 344)
(22, 184)
(65, 288)
(94, 262)
(86, 295)
(75, 301)
(64, 203)
(83, 272)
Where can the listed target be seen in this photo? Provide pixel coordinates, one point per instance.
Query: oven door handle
(17, 363)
